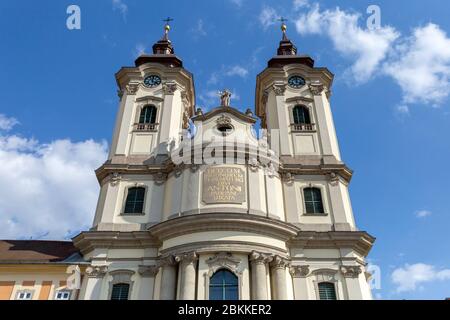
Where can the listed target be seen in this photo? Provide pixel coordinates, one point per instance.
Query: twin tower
(273, 220)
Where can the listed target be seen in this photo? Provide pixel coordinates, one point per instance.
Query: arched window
(301, 115)
(313, 200)
(148, 114)
(327, 291)
(135, 200)
(120, 291)
(223, 285)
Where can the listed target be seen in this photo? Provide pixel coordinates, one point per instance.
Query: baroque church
(201, 205)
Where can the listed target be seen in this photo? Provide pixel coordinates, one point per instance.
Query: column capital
(351, 271)
(169, 88)
(96, 271)
(299, 271)
(132, 88)
(148, 271)
(259, 258)
(278, 262)
(279, 88)
(189, 257)
(168, 260)
(316, 88)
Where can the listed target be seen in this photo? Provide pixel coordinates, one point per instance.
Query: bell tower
(156, 101)
(292, 97)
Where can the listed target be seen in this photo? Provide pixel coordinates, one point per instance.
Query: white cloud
(408, 277)
(237, 71)
(298, 4)
(368, 48)
(47, 190)
(421, 66)
(237, 3)
(7, 123)
(422, 213)
(120, 6)
(403, 109)
(268, 17)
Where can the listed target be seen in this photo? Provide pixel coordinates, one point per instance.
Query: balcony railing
(145, 126)
(303, 127)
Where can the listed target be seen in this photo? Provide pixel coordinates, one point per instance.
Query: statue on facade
(225, 97)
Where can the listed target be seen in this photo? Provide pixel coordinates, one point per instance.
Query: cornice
(360, 241)
(223, 221)
(89, 240)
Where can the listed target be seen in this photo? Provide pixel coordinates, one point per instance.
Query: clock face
(152, 81)
(296, 82)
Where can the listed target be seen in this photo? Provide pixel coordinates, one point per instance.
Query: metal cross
(168, 20)
(283, 20)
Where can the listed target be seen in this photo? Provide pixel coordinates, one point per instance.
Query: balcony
(147, 127)
(302, 127)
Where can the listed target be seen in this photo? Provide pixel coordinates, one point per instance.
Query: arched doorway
(223, 285)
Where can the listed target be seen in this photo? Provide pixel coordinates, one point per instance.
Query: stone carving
(333, 178)
(279, 262)
(167, 260)
(351, 271)
(188, 257)
(115, 179)
(132, 88)
(279, 89)
(160, 177)
(148, 271)
(254, 164)
(223, 120)
(223, 260)
(225, 97)
(259, 258)
(96, 271)
(169, 88)
(223, 185)
(316, 88)
(265, 96)
(299, 271)
(287, 177)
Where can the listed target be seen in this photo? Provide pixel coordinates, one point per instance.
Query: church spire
(286, 47)
(163, 51)
(164, 46)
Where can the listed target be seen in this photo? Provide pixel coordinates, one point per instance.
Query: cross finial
(167, 27)
(283, 26)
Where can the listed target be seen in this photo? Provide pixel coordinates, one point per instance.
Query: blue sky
(390, 103)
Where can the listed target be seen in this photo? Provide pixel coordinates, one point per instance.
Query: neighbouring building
(273, 220)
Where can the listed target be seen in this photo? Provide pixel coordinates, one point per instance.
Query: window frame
(332, 284)
(121, 276)
(154, 116)
(308, 113)
(224, 285)
(19, 292)
(125, 196)
(121, 284)
(324, 195)
(63, 291)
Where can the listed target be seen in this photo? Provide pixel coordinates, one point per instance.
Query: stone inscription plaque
(223, 185)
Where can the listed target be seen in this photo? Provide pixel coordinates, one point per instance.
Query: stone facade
(247, 216)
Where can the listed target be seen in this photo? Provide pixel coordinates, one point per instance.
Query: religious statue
(225, 97)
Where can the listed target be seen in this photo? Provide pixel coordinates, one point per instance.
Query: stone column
(299, 274)
(92, 286)
(188, 272)
(351, 275)
(147, 285)
(259, 276)
(168, 278)
(278, 275)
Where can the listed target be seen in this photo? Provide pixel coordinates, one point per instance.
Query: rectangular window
(120, 291)
(62, 295)
(24, 295)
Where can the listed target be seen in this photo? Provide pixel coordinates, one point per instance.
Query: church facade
(200, 206)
